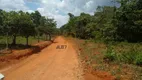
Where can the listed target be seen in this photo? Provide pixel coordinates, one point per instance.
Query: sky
(57, 9)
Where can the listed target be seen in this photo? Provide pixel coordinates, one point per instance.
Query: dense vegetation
(119, 28)
(122, 59)
(19, 23)
(109, 23)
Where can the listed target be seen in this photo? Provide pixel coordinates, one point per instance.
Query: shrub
(110, 55)
(130, 56)
(127, 57)
(138, 60)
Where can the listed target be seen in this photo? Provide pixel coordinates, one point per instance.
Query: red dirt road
(49, 64)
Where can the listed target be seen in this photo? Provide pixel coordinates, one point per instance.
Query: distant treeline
(19, 23)
(109, 23)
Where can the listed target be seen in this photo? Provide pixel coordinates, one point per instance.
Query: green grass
(19, 40)
(128, 53)
(121, 59)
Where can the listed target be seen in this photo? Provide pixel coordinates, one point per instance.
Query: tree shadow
(54, 41)
(2, 46)
(3, 50)
(17, 46)
(20, 46)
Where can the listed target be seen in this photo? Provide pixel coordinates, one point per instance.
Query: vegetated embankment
(15, 55)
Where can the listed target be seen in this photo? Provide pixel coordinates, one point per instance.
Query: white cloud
(58, 9)
(61, 20)
(15, 5)
(30, 11)
(12, 5)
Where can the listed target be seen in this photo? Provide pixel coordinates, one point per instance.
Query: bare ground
(49, 64)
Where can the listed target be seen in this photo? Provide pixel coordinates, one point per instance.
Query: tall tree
(27, 26)
(36, 17)
(129, 21)
(13, 23)
(48, 27)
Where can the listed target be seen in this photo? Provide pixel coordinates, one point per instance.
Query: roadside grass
(19, 40)
(128, 53)
(123, 60)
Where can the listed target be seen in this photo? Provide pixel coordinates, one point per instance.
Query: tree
(129, 21)
(1, 17)
(76, 26)
(109, 23)
(71, 15)
(27, 26)
(13, 23)
(19, 23)
(1, 20)
(5, 29)
(36, 17)
(104, 19)
(48, 27)
(87, 26)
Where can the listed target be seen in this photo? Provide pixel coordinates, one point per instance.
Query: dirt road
(50, 64)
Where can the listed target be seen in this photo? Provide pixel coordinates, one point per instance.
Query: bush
(138, 60)
(110, 55)
(130, 56)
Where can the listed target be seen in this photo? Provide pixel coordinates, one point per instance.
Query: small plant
(127, 57)
(110, 55)
(138, 60)
(118, 77)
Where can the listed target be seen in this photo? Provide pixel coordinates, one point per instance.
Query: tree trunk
(27, 40)
(46, 37)
(38, 39)
(49, 37)
(14, 40)
(7, 41)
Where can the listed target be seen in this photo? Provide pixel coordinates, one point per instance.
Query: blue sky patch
(32, 5)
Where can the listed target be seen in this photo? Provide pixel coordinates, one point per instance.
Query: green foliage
(19, 23)
(85, 26)
(138, 60)
(36, 17)
(110, 55)
(128, 18)
(1, 17)
(127, 57)
(92, 53)
(47, 28)
(131, 55)
(20, 41)
(27, 25)
(109, 23)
